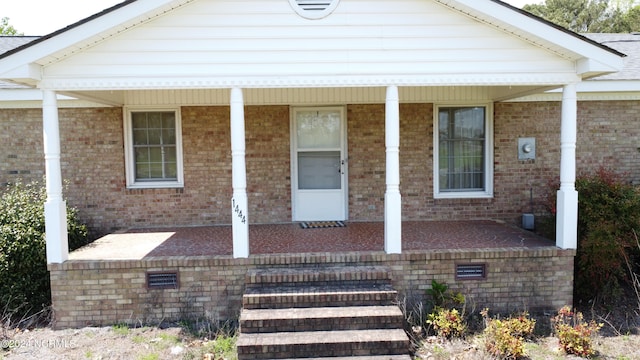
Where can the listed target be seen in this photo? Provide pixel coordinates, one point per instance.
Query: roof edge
(558, 27)
(66, 28)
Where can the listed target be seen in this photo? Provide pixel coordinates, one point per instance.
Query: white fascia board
(159, 83)
(604, 86)
(589, 67)
(32, 98)
(594, 90)
(24, 71)
(20, 95)
(590, 58)
(100, 28)
(26, 95)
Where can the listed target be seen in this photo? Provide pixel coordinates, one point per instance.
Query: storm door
(319, 166)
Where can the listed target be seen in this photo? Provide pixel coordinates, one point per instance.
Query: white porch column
(392, 197)
(55, 208)
(239, 202)
(567, 206)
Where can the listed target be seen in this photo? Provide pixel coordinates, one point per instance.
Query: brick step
(335, 295)
(321, 319)
(283, 345)
(322, 274)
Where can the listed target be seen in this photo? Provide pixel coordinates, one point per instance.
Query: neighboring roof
(625, 43)
(11, 42)
(8, 43)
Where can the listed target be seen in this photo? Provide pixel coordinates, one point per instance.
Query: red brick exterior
(93, 162)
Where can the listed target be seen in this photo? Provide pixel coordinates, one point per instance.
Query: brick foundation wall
(108, 292)
(93, 162)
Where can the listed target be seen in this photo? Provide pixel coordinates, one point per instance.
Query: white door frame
(295, 198)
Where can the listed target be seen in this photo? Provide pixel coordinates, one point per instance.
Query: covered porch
(291, 238)
(111, 280)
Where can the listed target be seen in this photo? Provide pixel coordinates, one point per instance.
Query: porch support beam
(239, 202)
(392, 197)
(567, 196)
(55, 208)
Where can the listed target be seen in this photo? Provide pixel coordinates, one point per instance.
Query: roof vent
(162, 280)
(313, 9)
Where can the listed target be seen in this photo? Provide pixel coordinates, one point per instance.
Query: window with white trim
(153, 148)
(463, 152)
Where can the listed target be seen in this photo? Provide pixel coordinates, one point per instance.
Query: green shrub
(24, 279)
(608, 215)
(575, 335)
(505, 338)
(442, 296)
(447, 323)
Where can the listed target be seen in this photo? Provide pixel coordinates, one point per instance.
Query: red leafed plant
(575, 335)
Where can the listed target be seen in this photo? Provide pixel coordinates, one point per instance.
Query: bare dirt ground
(619, 339)
(149, 343)
(101, 343)
(152, 343)
(624, 347)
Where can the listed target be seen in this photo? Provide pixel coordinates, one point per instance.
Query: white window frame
(488, 150)
(130, 166)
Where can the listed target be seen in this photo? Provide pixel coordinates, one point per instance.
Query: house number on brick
(238, 211)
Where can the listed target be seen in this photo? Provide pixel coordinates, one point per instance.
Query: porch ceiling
(307, 96)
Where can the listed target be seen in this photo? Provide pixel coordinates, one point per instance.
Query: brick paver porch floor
(291, 238)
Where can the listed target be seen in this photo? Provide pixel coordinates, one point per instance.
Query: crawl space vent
(471, 271)
(313, 9)
(163, 280)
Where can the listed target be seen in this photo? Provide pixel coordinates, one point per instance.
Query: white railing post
(392, 197)
(567, 196)
(55, 208)
(239, 202)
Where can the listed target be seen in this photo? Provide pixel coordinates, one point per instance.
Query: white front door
(319, 166)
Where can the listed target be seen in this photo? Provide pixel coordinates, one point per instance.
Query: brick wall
(366, 165)
(609, 136)
(21, 149)
(108, 292)
(268, 163)
(93, 162)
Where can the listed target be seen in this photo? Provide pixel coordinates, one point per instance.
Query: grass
(120, 329)
(223, 346)
(149, 357)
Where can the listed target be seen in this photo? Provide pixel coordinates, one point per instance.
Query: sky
(42, 17)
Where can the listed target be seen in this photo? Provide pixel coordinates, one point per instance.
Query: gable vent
(162, 280)
(471, 271)
(313, 9)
